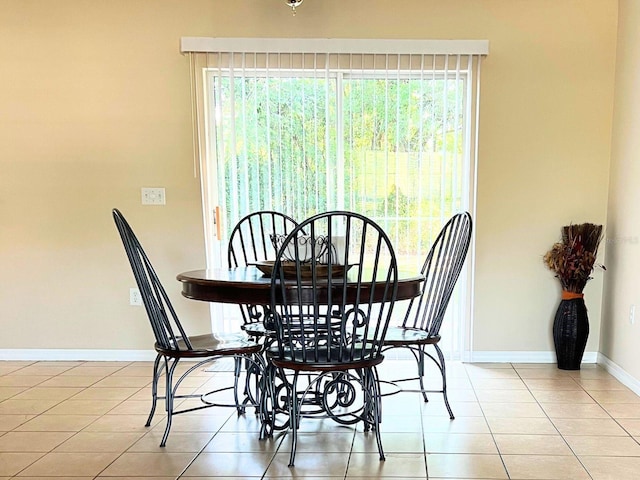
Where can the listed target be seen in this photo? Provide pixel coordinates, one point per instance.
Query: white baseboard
(523, 357)
(618, 372)
(33, 354)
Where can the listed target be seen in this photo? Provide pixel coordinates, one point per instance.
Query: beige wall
(621, 339)
(94, 104)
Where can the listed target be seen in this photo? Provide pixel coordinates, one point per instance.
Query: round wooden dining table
(249, 285)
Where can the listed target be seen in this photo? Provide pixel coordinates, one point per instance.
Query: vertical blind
(384, 128)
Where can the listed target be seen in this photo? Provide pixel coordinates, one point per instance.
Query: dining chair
(172, 343)
(332, 295)
(251, 242)
(424, 315)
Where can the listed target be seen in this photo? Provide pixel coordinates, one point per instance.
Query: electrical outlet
(153, 196)
(134, 297)
(632, 314)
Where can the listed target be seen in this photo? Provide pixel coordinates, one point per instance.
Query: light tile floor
(85, 420)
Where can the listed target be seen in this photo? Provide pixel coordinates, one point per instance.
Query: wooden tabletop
(250, 285)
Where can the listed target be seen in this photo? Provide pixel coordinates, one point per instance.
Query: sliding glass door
(391, 142)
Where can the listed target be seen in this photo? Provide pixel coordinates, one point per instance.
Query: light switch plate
(153, 196)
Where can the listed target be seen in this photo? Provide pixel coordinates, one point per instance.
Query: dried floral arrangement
(574, 258)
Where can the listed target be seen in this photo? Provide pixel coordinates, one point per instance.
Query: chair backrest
(250, 239)
(441, 270)
(333, 290)
(163, 318)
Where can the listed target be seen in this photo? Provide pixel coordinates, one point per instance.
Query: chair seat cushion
(212, 344)
(402, 336)
(320, 360)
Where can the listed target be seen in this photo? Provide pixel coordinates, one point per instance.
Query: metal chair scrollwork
(330, 314)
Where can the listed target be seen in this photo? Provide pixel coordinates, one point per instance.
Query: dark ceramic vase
(570, 333)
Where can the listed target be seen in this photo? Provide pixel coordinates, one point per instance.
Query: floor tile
(501, 396)
(83, 407)
(232, 442)
(22, 380)
(135, 370)
(55, 478)
(369, 465)
(32, 441)
(550, 373)
(498, 384)
(138, 478)
(460, 443)
(589, 371)
(70, 381)
(122, 381)
(92, 370)
(568, 410)
(9, 422)
(612, 468)
(494, 373)
(177, 442)
(135, 407)
(8, 392)
(459, 425)
(520, 444)
(600, 384)
(512, 410)
(122, 423)
(86, 420)
(334, 442)
(630, 425)
(106, 393)
(57, 423)
(465, 466)
(539, 426)
(148, 464)
(41, 369)
(565, 383)
(47, 393)
(391, 443)
(25, 407)
(86, 442)
(547, 467)
(603, 446)
(622, 410)
(5, 368)
(460, 409)
(400, 424)
(241, 464)
(70, 464)
(615, 396)
(563, 396)
(13, 462)
(588, 426)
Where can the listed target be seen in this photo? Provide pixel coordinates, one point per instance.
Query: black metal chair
(173, 344)
(424, 316)
(332, 295)
(250, 242)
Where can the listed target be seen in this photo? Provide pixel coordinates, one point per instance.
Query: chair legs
(443, 372)
(373, 404)
(255, 366)
(154, 389)
(420, 355)
(168, 397)
(170, 368)
(323, 394)
(294, 416)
